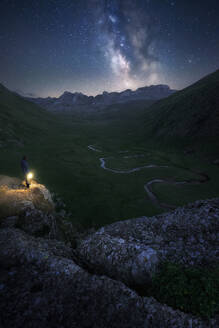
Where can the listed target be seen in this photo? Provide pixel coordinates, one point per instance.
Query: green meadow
(61, 160)
(57, 149)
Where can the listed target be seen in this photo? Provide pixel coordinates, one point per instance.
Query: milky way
(130, 41)
(47, 47)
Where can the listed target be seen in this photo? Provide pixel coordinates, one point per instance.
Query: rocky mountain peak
(71, 101)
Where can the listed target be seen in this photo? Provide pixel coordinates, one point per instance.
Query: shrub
(194, 290)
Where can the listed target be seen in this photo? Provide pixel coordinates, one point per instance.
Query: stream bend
(203, 177)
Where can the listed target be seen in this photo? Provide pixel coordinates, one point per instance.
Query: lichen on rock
(42, 286)
(53, 276)
(186, 236)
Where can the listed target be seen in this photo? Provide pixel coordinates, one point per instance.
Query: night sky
(49, 46)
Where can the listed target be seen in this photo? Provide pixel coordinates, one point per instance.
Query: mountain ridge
(69, 101)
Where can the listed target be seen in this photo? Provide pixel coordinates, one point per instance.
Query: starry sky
(50, 46)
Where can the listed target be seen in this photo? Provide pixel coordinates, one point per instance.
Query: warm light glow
(30, 176)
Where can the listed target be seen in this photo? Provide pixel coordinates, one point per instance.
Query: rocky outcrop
(132, 250)
(42, 286)
(34, 222)
(216, 162)
(47, 279)
(15, 198)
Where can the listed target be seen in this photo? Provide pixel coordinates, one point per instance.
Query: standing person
(25, 169)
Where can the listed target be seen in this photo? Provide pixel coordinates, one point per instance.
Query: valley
(96, 195)
(111, 166)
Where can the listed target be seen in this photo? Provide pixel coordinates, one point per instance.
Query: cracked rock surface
(42, 286)
(132, 250)
(44, 282)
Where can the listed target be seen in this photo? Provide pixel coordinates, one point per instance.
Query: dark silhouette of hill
(21, 120)
(191, 112)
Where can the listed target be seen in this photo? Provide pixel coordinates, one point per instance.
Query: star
(113, 19)
(148, 41)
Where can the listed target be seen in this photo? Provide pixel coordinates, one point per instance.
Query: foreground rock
(131, 251)
(14, 198)
(42, 286)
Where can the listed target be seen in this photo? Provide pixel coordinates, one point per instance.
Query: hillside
(21, 120)
(192, 112)
(131, 174)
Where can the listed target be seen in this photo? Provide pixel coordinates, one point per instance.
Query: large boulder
(37, 223)
(131, 251)
(15, 198)
(42, 286)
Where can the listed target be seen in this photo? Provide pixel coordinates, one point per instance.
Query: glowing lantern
(30, 176)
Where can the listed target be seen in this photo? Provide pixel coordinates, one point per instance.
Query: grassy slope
(21, 120)
(192, 112)
(57, 149)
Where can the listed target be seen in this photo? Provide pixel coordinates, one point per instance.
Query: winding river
(203, 177)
